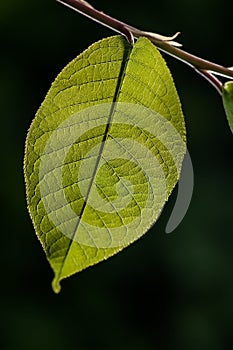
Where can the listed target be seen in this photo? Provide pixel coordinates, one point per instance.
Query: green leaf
(103, 153)
(227, 95)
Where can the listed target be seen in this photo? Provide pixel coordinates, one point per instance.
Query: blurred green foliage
(166, 291)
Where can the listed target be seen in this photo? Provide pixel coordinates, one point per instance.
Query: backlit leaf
(103, 153)
(227, 96)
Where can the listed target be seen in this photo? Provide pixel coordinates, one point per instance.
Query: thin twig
(216, 83)
(166, 44)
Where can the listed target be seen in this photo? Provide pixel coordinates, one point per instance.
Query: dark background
(166, 291)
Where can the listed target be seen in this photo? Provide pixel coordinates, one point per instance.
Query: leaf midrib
(111, 113)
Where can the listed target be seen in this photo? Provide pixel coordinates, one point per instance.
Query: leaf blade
(124, 77)
(227, 96)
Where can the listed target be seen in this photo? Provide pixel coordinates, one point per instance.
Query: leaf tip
(56, 285)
